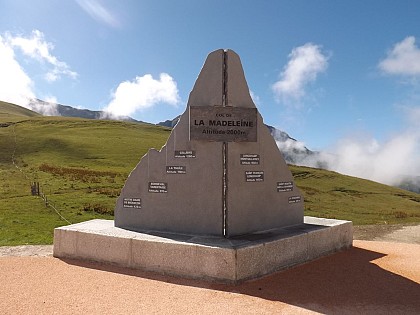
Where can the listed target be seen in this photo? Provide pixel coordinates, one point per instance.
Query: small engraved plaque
(295, 199)
(250, 159)
(223, 123)
(254, 176)
(133, 203)
(185, 154)
(176, 169)
(284, 186)
(158, 187)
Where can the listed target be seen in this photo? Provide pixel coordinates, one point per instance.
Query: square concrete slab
(210, 258)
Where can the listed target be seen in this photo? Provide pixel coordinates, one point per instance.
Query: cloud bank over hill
(394, 162)
(383, 162)
(388, 161)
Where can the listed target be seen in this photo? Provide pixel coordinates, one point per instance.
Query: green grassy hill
(12, 112)
(81, 166)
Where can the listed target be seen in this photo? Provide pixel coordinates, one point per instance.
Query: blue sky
(323, 71)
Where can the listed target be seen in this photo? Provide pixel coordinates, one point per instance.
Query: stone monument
(220, 173)
(216, 202)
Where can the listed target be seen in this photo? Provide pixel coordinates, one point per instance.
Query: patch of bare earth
(26, 250)
(400, 233)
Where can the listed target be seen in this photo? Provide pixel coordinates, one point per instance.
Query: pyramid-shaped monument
(217, 202)
(220, 173)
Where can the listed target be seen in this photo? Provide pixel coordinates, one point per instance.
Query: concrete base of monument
(212, 258)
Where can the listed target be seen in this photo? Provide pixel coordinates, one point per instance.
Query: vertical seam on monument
(225, 147)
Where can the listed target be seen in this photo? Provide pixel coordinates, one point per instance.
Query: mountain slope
(9, 110)
(81, 166)
(294, 152)
(55, 109)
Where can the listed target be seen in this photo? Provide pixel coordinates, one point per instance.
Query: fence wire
(38, 190)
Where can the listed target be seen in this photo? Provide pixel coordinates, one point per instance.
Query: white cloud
(15, 85)
(403, 59)
(141, 93)
(381, 162)
(291, 145)
(45, 107)
(365, 157)
(305, 63)
(98, 12)
(385, 162)
(37, 48)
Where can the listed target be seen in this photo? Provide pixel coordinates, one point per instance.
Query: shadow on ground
(346, 281)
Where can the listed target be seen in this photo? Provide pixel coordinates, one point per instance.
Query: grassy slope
(11, 112)
(332, 195)
(82, 165)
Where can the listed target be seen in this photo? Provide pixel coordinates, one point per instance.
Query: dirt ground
(376, 276)
(401, 233)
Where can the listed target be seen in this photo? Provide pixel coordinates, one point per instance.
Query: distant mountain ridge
(169, 123)
(55, 109)
(294, 151)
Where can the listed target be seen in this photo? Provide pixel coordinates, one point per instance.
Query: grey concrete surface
(209, 258)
